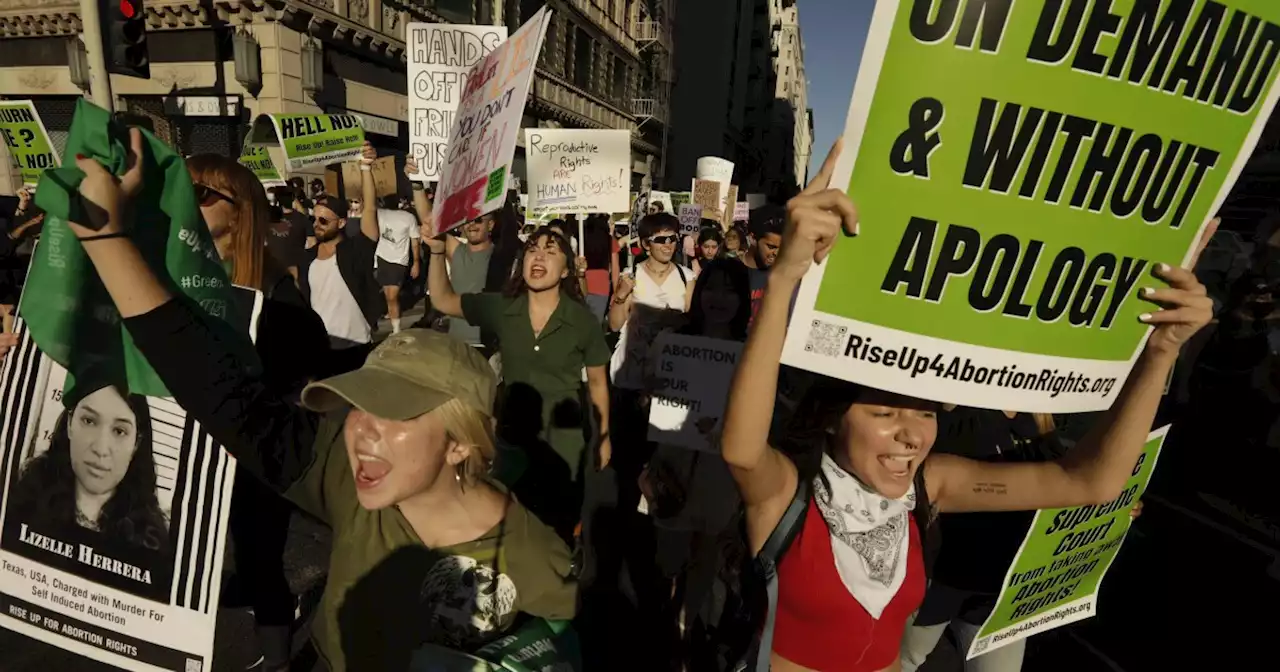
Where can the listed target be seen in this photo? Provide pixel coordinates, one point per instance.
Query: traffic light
(124, 39)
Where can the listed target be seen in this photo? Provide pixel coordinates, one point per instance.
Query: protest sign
(257, 159)
(715, 169)
(27, 140)
(690, 219)
(660, 201)
(1018, 175)
(135, 587)
(578, 171)
(1055, 576)
(707, 196)
(679, 198)
(440, 56)
(728, 207)
(310, 139)
(692, 388)
(633, 363)
(741, 211)
(482, 141)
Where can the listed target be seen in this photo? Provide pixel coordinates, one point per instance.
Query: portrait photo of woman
(98, 473)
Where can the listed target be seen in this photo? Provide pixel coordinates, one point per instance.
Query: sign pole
(99, 78)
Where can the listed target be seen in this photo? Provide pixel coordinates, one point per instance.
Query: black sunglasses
(207, 195)
(664, 240)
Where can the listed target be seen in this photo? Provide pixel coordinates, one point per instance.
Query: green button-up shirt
(550, 363)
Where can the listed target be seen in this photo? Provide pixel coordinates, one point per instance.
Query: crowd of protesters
(488, 467)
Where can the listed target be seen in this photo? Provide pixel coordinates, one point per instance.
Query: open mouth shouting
(370, 471)
(537, 270)
(898, 465)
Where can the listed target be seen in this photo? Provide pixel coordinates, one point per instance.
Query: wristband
(417, 186)
(103, 236)
(437, 253)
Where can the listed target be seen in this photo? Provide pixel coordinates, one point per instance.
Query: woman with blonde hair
(426, 551)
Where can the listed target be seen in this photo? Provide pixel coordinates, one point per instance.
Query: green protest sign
(538, 645)
(1055, 576)
(310, 139)
(26, 138)
(1019, 169)
(258, 159)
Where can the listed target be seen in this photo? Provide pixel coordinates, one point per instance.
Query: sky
(833, 32)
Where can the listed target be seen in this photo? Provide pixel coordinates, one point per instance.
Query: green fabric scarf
(65, 306)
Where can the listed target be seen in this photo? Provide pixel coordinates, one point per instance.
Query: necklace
(83, 521)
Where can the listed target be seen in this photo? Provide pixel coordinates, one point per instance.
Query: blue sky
(833, 32)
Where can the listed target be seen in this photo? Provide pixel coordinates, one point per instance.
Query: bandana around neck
(869, 535)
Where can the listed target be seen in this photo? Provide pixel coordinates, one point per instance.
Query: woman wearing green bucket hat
(393, 456)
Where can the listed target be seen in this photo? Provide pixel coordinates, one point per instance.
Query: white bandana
(869, 535)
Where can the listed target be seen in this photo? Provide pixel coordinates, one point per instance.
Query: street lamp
(248, 60)
(79, 62)
(312, 67)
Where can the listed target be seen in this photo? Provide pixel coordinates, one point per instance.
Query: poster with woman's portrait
(113, 515)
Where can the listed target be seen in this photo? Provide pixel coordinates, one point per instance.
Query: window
(528, 8)
(620, 76)
(458, 11)
(581, 58)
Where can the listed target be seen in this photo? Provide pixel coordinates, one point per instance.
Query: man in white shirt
(398, 237)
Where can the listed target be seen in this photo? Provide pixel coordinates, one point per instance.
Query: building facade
(741, 94)
(216, 65)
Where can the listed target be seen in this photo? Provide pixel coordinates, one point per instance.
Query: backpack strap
(767, 563)
(683, 280)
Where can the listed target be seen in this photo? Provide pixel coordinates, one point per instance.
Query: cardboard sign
(28, 141)
(578, 171)
(690, 219)
(707, 196)
(310, 139)
(715, 169)
(482, 141)
(1016, 197)
(384, 177)
(728, 207)
(440, 56)
(692, 389)
(1055, 576)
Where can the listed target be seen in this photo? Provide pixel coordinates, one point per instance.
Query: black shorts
(389, 274)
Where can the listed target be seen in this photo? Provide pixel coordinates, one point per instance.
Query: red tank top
(820, 625)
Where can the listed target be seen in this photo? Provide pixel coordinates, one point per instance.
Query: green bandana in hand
(64, 304)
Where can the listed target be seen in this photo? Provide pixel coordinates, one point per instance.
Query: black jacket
(355, 263)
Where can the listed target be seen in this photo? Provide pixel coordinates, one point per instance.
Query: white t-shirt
(631, 358)
(333, 302)
(395, 229)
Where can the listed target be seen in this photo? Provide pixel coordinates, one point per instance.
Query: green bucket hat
(409, 374)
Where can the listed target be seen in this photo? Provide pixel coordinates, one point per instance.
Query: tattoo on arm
(990, 488)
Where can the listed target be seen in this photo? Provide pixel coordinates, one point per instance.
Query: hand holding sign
(814, 220)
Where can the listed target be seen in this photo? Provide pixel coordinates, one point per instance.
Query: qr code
(981, 645)
(194, 665)
(825, 339)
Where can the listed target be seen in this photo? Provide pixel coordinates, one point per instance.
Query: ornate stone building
(215, 64)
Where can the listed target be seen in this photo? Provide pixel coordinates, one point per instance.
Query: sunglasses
(323, 220)
(207, 195)
(664, 240)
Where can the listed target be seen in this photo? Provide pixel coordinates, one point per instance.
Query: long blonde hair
(253, 213)
(1044, 423)
(472, 428)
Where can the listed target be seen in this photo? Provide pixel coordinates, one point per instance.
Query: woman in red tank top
(854, 573)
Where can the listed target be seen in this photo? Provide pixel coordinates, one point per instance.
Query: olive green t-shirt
(388, 594)
(550, 362)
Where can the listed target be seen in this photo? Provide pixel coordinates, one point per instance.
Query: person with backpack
(839, 523)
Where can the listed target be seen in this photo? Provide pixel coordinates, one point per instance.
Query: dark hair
(45, 493)
(739, 280)
(710, 233)
(506, 248)
(337, 204)
(767, 220)
(568, 285)
(598, 245)
(652, 225)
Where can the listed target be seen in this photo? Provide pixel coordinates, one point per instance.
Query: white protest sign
(137, 589)
(663, 202)
(440, 55)
(741, 211)
(577, 170)
(693, 376)
(690, 219)
(482, 141)
(715, 169)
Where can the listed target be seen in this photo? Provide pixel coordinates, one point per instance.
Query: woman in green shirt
(546, 337)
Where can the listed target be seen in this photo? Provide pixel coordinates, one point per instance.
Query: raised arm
(1096, 469)
(368, 193)
(620, 306)
(439, 287)
(766, 478)
(203, 366)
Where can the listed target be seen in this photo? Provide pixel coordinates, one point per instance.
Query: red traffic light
(126, 8)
